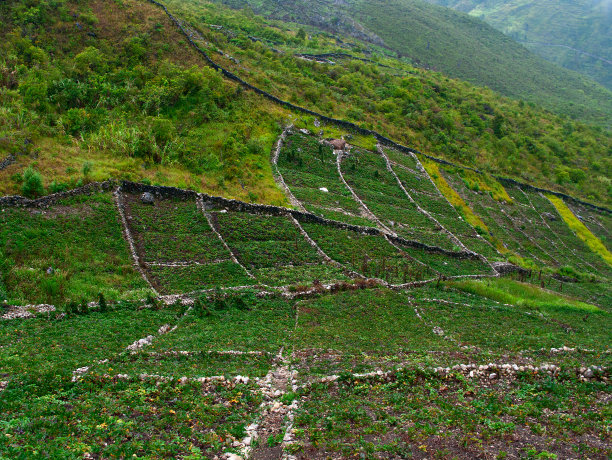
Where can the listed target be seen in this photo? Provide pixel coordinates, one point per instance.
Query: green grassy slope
(573, 33)
(91, 90)
(457, 45)
(91, 100)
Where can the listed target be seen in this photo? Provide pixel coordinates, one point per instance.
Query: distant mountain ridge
(453, 43)
(576, 34)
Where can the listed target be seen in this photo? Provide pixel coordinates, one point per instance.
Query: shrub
(56, 187)
(102, 303)
(200, 307)
(87, 167)
(32, 183)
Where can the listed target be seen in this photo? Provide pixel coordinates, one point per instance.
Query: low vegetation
(69, 252)
(580, 229)
(69, 114)
(180, 325)
(521, 294)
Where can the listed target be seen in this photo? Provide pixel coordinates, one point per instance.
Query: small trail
(277, 416)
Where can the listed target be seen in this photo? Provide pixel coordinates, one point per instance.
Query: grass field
(72, 251)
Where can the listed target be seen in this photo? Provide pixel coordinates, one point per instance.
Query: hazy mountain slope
(455, 44)
(576, 34)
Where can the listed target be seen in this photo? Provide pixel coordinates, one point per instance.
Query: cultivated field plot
(356, 370)
(598, 222)
(178, 248)
(422, 190)
(527, 237)
(369, 178)
(542, 215)
(72, 250)
(370, 255)
(419, 415)
(307, 166)
(273, 250)
(416, 413)
(449, 266)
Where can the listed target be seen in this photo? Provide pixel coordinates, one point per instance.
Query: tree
(32, 183)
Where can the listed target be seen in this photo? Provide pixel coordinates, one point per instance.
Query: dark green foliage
(465, 47)
(273, 249)
(569, 33)
(102, 305)
(32, 186)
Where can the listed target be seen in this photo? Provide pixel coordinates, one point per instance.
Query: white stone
(233, 457)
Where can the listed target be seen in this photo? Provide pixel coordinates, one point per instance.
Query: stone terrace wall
(212, 202)
(46, 201)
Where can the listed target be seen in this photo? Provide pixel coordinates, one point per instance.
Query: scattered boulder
(504, 268)
(147, 198)
(338, 144)
(549, 216)
(208, 205)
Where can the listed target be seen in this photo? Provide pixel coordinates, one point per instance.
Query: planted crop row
(540, 208)
(598, 222)
(449, 266)
(309, 170)
(367, 174)
(429, 198)
(175, 280)
(172, 230)
(370, 255)
(504, 223)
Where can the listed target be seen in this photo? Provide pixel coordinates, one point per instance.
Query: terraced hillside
(378, 317)
(400, 307)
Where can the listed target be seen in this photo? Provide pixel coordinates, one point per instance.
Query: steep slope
(575, 34)
(456, 44)
(107, 113)
(92, 90)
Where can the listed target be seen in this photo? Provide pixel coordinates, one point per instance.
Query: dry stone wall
(211, 202)
(49, 200)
